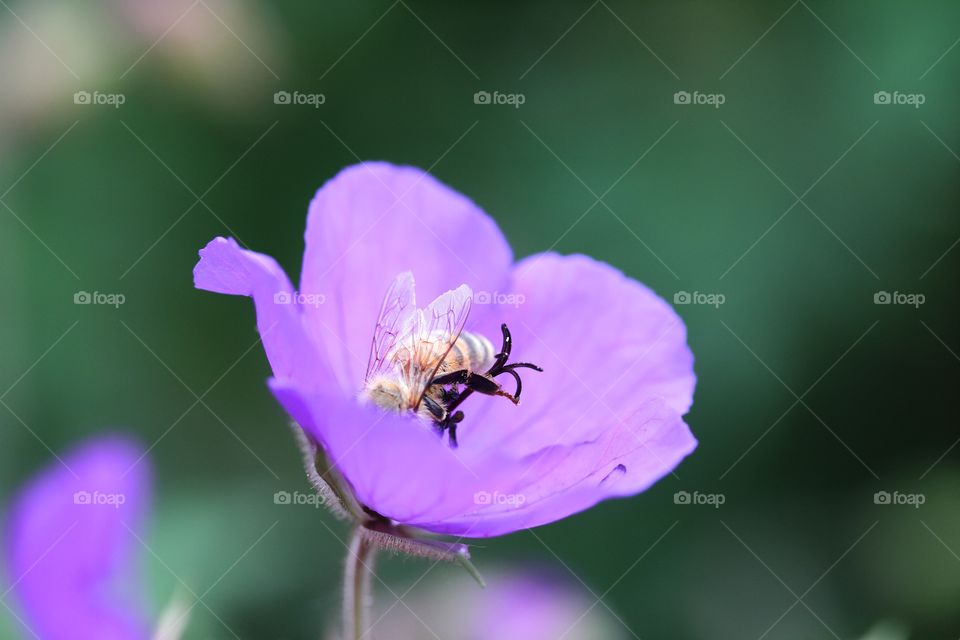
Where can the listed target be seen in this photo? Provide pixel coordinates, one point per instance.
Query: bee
(423, 362)
(471, 351)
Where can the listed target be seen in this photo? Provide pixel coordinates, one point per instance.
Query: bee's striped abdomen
(471, 352)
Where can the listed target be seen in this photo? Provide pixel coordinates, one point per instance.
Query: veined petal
(627, 458)
(398, 467)
(607, 344)
(70, 547)
(374, 221)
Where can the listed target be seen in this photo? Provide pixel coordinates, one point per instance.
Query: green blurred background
(703, 199)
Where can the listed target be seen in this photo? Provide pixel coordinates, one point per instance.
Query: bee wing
(399, 306)
(433, 332)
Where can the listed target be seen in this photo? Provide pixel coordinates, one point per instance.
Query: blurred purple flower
(603, 419)
(516, 605)
(69, 547)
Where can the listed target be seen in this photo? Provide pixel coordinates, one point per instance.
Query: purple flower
(69, 547)
(516, 605)
(603, 418)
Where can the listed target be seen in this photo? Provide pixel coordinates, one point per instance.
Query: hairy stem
(357, 597)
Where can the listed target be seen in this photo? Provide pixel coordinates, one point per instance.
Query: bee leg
(500, 360)
(475, 382)
(449, 396)
(452, 423)
(482, 384)
(436, 410)
(522, 365)
(507, 346)
(454, 377)
(516, 376)
(488, 386)
(456, 402)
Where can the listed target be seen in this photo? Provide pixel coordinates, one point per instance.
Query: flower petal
(629, 457)
(396, 464)
(370, 223)
(602, 420)
(69, 545)
(226, 268)
(400, 468)
(607, 344)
